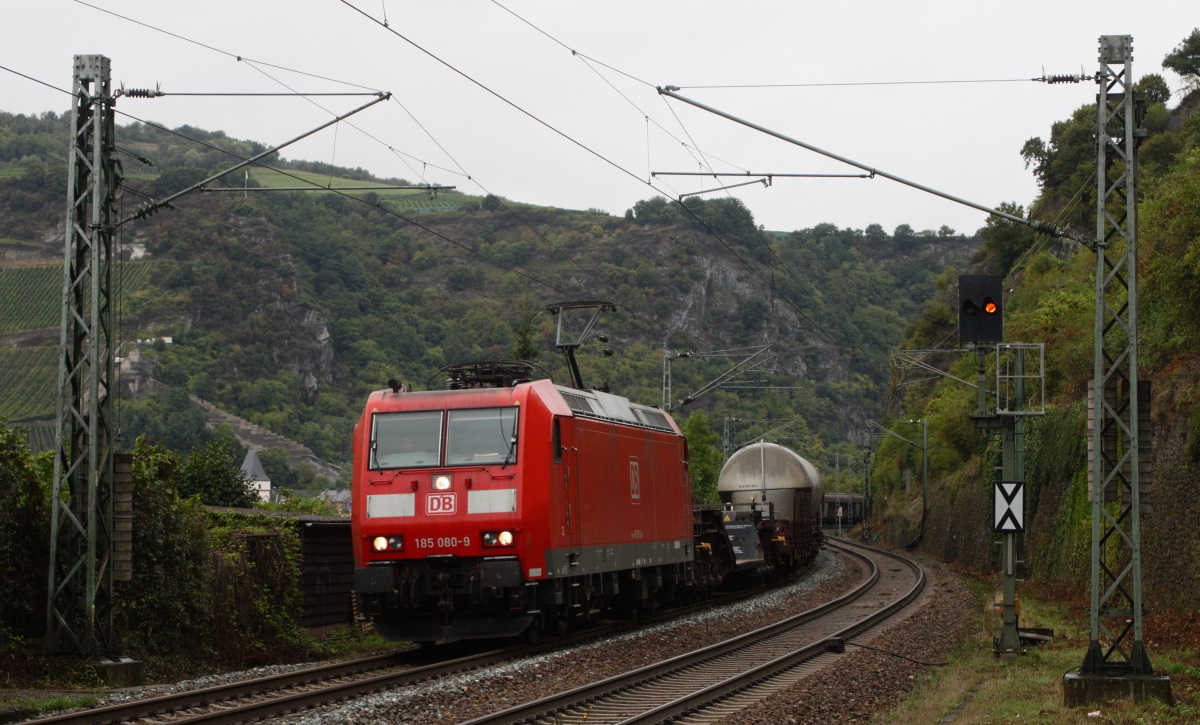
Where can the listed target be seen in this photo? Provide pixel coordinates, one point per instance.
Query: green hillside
(287, 307)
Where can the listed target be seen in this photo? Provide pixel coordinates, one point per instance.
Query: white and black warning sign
(1009, 507)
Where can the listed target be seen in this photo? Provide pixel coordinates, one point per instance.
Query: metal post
(79, 608)
(1116, 584)
(924, 472)
(1116, 663)
(1012, 471)
(666, 380)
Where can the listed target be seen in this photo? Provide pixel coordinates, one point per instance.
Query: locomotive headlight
(441, 482)
(388, 543)
(497, 538)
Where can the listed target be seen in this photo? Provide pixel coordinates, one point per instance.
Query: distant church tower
(252, 469)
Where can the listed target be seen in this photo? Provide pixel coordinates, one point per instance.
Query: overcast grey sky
(489, 97)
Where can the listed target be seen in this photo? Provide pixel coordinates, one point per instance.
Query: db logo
(439, 503)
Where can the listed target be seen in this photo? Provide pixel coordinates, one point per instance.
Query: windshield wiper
(512, 446)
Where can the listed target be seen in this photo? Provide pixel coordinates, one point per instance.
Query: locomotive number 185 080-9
(442, 542)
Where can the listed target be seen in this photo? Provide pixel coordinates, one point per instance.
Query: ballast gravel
(855, 687)
(866, 682)
(860, 684)
(479, 693)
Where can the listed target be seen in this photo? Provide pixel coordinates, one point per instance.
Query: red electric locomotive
(486, 510)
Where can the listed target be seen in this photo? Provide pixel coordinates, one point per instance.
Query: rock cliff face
(319, 367)
(136, 375)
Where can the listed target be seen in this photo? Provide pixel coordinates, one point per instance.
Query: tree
(214, 474)
(1185, 59)
(1153, 88)
(491, 202)
(905, 238)
(275, 463)
(656, 210)
(754, 313)
(1004, 241)
(524, 345)
(704, 458)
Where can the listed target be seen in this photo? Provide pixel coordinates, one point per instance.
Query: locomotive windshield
(473, 437)
(479, 436)
(405, 440)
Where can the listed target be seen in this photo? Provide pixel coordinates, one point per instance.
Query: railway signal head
(981, 308)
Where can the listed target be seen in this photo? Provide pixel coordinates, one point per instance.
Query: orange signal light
(990, 307)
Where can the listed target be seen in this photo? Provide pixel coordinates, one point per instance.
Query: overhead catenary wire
(689, 211)
(146, 93)
(584, 147)
(863, 83)
(586, 58)
(255, 65)
(470, 252)
(334, 190)
(702, 161)
(705, 163)
(670, 92)
(215, 49)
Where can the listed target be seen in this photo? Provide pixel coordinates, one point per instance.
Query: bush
(255, 589)
(164, 608)
(24, 535)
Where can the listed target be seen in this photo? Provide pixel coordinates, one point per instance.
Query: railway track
(715, 682)
(307, 688)
(310, 688)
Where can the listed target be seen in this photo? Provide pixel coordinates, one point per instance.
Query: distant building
(254, 472)
(339, 498)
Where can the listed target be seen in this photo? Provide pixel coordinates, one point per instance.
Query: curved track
(717, 681)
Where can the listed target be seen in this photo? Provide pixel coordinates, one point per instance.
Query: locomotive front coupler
(446, 599)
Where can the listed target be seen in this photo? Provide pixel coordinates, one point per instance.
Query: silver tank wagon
(770, 473)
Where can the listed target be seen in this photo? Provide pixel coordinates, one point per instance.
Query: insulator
(1047, 228)
(1063, 79)
(143, 93)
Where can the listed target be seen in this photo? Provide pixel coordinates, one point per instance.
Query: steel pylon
(1119, 436)
(79, 611)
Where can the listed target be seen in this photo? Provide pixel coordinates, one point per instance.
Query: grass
(56, 702)
(978, 687)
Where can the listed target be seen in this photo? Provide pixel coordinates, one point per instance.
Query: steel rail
(557, 706)
(340, 692)
(173, 707)
(708, 696)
